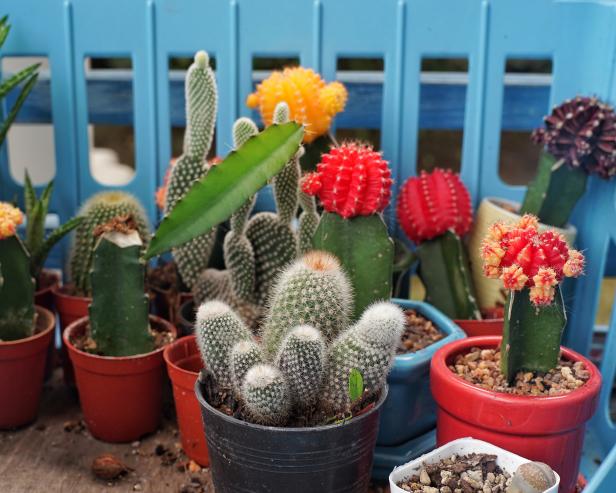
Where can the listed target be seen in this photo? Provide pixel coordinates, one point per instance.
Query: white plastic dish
(463, 446)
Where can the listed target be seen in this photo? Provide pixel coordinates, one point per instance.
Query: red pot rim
(59, 290)
(113, 364)
(449, 390)
(36, 337)
(172, 363)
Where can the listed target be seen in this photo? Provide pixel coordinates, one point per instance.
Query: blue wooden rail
(578, 36)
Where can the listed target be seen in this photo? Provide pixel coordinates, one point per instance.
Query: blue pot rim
(404, 363)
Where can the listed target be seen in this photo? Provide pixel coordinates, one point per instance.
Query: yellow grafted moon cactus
(10, 218)
(311, 101)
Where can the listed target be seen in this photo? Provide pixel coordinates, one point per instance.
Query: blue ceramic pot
(409, 410)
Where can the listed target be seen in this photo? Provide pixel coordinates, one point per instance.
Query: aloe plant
(29, 75)
(227, 186)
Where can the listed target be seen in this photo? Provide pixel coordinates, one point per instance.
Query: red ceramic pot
(22, 365)
(485, 327)
(121, 397)
(183, 365)
(547, 429)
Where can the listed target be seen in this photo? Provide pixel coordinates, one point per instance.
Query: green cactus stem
(532, 334)
(445, 272)
(16, 291)
(366, 251)
(244, 355)
(266, 395)
(119, 310)
(552, 195)
(308, 222)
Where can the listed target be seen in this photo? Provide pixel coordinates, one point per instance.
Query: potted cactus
(312, 388)
(535, 396)
(435, 212)
(26, 330)
(579, 141)
(117, 350)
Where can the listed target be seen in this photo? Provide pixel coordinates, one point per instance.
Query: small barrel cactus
(302, 361)
(218, 330)
(311, 102)
(434, 210)
(266, 395)
(244, 355)
(313, 291)
(16, 282)
(98, 210)
(579, 138)
(353, 183)
(531, 265)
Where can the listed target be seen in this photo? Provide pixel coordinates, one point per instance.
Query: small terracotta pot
(121, 397)
(548, 429)
(489, 291)
(183, 365)
(22, 365)
(485, 327)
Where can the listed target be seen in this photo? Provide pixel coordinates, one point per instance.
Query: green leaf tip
(356, 385)
(227, 186)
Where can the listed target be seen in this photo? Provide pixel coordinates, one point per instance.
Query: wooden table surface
(54, 455)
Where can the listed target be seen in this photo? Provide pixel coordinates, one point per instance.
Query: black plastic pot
(186, 318)
(250, 458)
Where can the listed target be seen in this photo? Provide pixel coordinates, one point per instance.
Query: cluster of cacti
(353, 183)
(434, 210)
(192, 258)
(119, 323)
(16, 281)
(579, 137)
(531, 265)
(311, 101)
(96, 211)
(257, 248)
(308, 349)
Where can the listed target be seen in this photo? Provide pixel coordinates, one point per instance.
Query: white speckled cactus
(244, 355)
(266, 395)
(201, 104)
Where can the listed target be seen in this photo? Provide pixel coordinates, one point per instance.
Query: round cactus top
(582, 132)
(311, 101)
(10, 218)
(433, 203)
(351, 180)
(522, 256)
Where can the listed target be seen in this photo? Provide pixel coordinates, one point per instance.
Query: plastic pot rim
(166, 356)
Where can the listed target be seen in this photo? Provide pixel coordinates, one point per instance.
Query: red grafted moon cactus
(351, 180)
(433, 203)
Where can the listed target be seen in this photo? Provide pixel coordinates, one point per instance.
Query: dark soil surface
(419, 333)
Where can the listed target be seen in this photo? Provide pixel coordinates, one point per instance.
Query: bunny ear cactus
(16, 282)
(434, 210)
(353, 183)
(119, 322)
(98, 210)
(579, 138)
(193, 257)
(531, 265)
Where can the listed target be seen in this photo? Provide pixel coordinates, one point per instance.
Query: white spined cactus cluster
(308, 349)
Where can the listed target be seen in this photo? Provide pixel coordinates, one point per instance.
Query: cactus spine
(266, 395)
(119, 323)
(201, 104)
(98, 210)
(244, 355)
(16, 282)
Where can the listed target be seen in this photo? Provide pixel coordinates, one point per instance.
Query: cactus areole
(434, 210)
(531, 265)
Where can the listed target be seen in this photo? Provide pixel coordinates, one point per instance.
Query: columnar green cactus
(244, 355)
(201, 104)
(368, 346)
(218, 329)
(266, 395)
(119, 323)
(98, 210)
(308, 222)
(302, 360)
(313, 291)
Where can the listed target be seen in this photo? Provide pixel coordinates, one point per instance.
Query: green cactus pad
(366, 251)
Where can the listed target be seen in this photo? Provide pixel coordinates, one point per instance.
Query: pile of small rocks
(419, 332)
(481, 367)
(460, 474)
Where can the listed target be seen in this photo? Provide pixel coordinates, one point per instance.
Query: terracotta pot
(183, 365)
(485, 327)
(121, 397)
(548, 429)
(489, 291)
(44, 295)
(22, 365)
